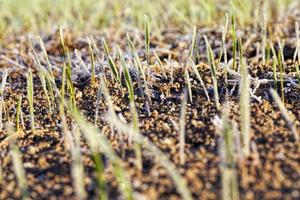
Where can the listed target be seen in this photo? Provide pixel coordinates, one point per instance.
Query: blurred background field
(40, 16)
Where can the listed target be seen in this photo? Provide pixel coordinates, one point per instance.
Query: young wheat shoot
(298, 51)
(264, 39)
(18, 114)
(92, 57)
(179, 181)
(213, 71)
(224, 51)
(160, 64)
(18, 165)
(134, 113)
(182, 129)
(244, 104)
(111, 63)
(234, 41)
(30, 98)
(41, 73)
(195, 70)
(77, 167)
(285, 113)
(139, 68)
(98, 143)
(230, 189)
(147, 39)
(2, 87)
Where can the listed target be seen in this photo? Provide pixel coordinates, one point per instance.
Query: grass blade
(213, 71)
(111, 63)
(30, 98)
(180, 183)
(98, 143)
(245, 106)
(286, 115)
(298, 51)
(18, 166)
(182, 129)
(234, 41)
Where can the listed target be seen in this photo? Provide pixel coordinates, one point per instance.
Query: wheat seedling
(18, 165)
(230, 189)
(264, 39)
(92, 57)
(182, 129)
(30, 98)
(134, 113)
(77, 165)
(41, 73)
(234, 41)
(98, 143)
(213, 71)
(193, 44)
(2, 87)
(280, 64)
(195, 70)
(278, 61)
(286, 115)
(18, 113)
(179, 181)
(298, 51)
(46, 56)
(224, 51)
(147, 39)
(244, 103)
(111, 63)
(160, 64)
(139, 68)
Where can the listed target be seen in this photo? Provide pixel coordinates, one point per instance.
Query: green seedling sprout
(160, 64)
(264, 39)
(193, 44)
(98, 143)
(234, 41)
(188, 83)
(70, 84)
(18, 165)
(92, 57)
(285, 113)
(77, 167)
(182, 129)
(135, 122)
(138, 66)
(268, 52)
(224, 50)
(280, 65)
(30, 98)
(230, 189)
(213, 71)
(179, 181)
(111, 63)
(195, 70)
(18, 113)
(46, 56)
(41, 73)
(2, 87)
(147, 39)
(298, 51)
(274, 65)
(244, 103)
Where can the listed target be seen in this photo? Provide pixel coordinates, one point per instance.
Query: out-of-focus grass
(40, 15)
